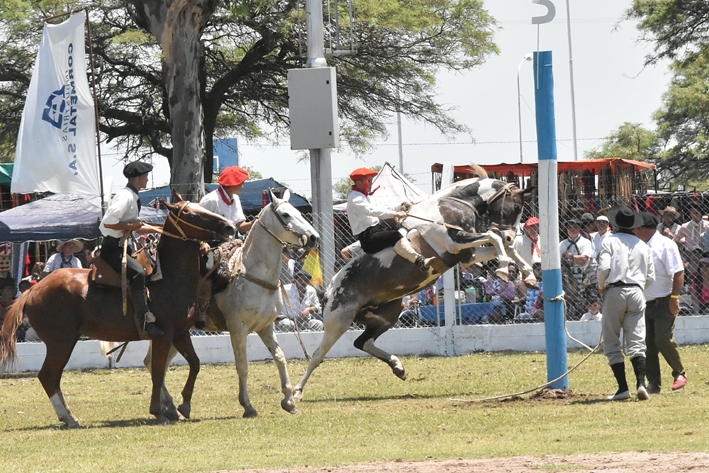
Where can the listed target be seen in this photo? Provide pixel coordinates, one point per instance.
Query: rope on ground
(558, 298)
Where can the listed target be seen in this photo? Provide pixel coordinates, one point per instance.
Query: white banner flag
(56, 146)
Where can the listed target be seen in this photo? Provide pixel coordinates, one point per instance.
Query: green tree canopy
(629, 141)
(245, 50)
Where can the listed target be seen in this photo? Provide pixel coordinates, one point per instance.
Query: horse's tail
(482, 173)
(13, 320)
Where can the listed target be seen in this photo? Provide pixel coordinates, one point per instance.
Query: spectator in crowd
(532, 295)
(35, 274)
(689, 240)
(504, 291)
(700, 286)
(625, 270)
(594, 309)
(64, 257)
(302, 304)
(588, 226)
(663, 304)
(24, 285)
(576, 257)
(8, 291)
(527, 244)
(603, 227)
(669, 226)
(408, 316)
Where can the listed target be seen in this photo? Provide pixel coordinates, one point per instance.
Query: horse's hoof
(400, 372)
(74, 424)
(185, 410)
(173, 415)
(297, 395)
(163, 420)
(289, 406)
(249, 413)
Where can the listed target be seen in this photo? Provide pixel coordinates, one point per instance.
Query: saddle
(104, 275)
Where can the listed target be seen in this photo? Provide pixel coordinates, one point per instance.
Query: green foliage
(248, 47)
(629, 141)
(354, 411)
(679, 30)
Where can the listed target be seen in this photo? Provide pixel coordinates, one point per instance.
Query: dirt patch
(607, 463)
(554, 394)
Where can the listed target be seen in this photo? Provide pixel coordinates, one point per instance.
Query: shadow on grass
(22, 375)
(381, 398)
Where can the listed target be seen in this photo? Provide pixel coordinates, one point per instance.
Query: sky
(611, 85)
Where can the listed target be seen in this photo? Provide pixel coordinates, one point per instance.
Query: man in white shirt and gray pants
(625, 270)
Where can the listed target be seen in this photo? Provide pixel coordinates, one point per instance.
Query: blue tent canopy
(60, 217)
(251, 196)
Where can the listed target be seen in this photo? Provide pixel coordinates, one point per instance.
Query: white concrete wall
(419, 341)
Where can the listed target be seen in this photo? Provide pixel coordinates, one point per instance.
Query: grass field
(354, 410)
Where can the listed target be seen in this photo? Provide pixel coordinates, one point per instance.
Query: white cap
(602, 218)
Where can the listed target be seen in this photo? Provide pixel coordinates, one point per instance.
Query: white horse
(252, 300)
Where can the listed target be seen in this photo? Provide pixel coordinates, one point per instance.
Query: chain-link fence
(481, 297)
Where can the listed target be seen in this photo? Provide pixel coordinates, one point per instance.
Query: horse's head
(191, 221)
(286, 223)
(504, 209)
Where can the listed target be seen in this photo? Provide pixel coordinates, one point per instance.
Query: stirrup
(149, 317)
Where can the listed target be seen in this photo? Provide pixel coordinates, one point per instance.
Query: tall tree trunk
(178, 26)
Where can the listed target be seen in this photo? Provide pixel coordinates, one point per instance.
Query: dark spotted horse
(470, 221)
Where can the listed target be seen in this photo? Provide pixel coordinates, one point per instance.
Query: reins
(176, 222)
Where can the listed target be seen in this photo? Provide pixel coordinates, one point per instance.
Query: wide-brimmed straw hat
(77, 243)
(671, 211)
(625, 217)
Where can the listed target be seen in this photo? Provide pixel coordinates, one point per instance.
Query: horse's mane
(13, 320)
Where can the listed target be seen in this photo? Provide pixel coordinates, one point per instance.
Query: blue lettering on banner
(61, 112)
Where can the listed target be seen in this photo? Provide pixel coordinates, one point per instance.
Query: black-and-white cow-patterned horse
(456, 222)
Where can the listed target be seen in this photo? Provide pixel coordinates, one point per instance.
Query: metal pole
(527, 57)
(320, 159)
(571, 80)
(96, 115)
(557, 363)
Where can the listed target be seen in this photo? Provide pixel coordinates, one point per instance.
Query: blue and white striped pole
(557, 363)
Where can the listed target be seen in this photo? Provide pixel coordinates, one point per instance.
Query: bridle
(505, 192)
(177, 221)
(285, 226)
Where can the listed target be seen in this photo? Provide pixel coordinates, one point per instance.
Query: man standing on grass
(625, 270)
(662, 305)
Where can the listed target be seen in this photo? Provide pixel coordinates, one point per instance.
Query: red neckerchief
(535, 246)
(355, 188)
(225, 197)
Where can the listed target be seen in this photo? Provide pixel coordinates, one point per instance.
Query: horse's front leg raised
(160, 349)
(183, 343)
(268, 337)
(238, 344)
(527, 274)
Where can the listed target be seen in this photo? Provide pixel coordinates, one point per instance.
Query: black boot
(623, 391)
(639, 368)
(147, 319)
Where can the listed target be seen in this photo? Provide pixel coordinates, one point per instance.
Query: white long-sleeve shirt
(55, 262)
(214, 202)
(123, 208)
(362, 213)
(667, 261)
(310, 299)
(625, 259)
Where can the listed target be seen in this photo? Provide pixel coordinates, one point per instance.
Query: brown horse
(65, 305)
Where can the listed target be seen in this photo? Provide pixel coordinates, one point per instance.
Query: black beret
(650, 220)
(303, 273)
(137, 168)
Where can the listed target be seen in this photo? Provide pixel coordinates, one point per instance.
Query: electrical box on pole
(312, 104)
